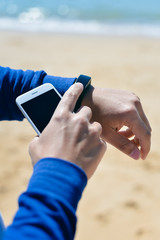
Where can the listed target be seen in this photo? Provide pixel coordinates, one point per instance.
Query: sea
(93, 17)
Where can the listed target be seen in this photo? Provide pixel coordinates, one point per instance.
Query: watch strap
(86, 81)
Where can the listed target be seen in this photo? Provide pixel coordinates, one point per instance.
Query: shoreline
(81, 27)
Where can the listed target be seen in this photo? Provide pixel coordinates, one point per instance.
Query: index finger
(144, 136)
(142, 133)
(70, 97)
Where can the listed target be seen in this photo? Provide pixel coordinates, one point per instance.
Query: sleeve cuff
(60, 83)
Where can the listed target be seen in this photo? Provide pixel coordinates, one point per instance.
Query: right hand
(71, 136)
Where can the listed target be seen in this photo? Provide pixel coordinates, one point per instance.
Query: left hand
(114, 109)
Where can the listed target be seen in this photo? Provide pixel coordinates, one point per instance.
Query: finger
(136, 141)
(143, 116)
(126, 133)
(142, 129)
(85, 112)
(143, 135)
(70, 97)
(123, 144)
(96, 127)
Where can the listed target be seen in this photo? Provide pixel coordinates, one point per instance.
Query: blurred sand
(122, 200)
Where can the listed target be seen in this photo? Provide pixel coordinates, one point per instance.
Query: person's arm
(16, 82)
(2, 227)
(47, 210)
(112, 108)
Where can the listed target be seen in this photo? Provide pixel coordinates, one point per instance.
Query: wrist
(93, 100)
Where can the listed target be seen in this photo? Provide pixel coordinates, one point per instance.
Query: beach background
(118, 44)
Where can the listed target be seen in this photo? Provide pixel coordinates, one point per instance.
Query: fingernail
(135, 154)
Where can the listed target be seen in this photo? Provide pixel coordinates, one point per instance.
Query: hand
(115, 109)
(71, 136)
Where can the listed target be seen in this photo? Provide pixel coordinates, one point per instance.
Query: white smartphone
(38, 105)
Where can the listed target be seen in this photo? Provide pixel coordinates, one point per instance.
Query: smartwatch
(86, 81)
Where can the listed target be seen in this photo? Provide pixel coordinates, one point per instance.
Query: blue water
(120, 17)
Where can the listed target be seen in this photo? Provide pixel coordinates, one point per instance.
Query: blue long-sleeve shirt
(15, 82)
(47, 210)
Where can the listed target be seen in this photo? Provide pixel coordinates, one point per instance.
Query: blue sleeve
(47, 210)
(16, 82)
(2, 227)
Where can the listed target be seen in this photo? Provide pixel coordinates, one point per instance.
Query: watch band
(86, 81)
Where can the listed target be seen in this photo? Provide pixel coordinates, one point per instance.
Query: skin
(71, 136)
(114, 109)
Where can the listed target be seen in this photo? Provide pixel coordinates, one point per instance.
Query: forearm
(47, 209)
(90, 99)
(16, 82)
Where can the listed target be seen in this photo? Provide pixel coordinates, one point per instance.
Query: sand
(122, 200)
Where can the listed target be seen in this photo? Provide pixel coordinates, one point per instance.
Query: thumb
(123, 144)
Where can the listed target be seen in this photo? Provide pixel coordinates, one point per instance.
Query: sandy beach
(122, 200)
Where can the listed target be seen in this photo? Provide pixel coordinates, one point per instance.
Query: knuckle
(135, 99)
(127, 108)
(61, 114)
(130, 110)
(71, 94)
(88, 109)
(99, 127)
(131, 105)
(93, 133)
(96, 130)
(81, 121)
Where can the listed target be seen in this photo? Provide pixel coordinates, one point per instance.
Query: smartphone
(38, 105)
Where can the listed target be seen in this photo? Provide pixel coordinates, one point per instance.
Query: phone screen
(41, 108)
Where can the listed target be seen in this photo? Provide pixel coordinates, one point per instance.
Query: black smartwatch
(86, 81)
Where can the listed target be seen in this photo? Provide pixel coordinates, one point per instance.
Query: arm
(47, 209)
(15, 82)
(112, 108)
(2, 227)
